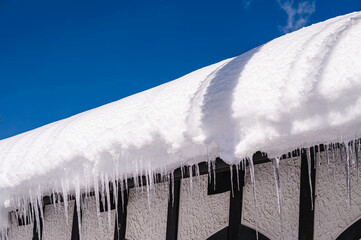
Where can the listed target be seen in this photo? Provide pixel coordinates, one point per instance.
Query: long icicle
(347, 168)
(357, 161)
(231, 175)
(276, 168)
(97, 200)
(107, 190)
(237, 173)
(78, 204)
(309, 175)
(251, 168)
(65, 199)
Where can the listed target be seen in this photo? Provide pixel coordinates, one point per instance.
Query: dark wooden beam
(75, 231)
(235, 205)
(306, 211)
(173, 210)
(121, 215)
(38, 235)
(235, 230)
(222, 183)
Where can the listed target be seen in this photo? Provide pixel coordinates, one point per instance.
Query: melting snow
(296, 91)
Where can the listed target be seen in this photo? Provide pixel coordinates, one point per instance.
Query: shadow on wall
(217, 121)
(352, 232)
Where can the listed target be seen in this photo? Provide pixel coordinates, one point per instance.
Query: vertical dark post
(306, 213)
(121, 216)
(173, 210)
(75, 231)
(235, 207)
(36, 235)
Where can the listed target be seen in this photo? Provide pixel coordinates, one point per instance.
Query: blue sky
(59, 58)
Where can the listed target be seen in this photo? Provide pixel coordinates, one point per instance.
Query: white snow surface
(298, 90)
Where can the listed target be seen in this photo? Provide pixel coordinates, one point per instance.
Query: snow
(296, 91)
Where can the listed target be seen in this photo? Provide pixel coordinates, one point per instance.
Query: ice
(267, 99)
(172, 186)
(65, 187)
(78, 204)
(214, 175)
(97, 200)
(237, 172)
(309, 174)
(347, 168)
(276, 167)
(357, 160)
(231, 176)
(190, 178)
(251, 169)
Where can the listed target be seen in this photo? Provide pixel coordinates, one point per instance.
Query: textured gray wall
(94, 227)
(148, 220)
(268, 220)
(55, 226)
(333, 213)
(20, 233)
(200, 215)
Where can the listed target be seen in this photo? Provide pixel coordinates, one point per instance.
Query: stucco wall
(333, 213)
(200, 215)
(268, 220)
(147, 220)
(55, 226)
(19, 233)
(94, 228)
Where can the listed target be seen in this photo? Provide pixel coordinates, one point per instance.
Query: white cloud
(297, 17)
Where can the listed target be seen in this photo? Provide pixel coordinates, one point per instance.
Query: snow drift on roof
(295, 91)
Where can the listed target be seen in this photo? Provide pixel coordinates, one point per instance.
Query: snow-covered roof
(301, 89)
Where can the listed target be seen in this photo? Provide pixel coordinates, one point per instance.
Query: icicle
(141, 181)
(102, 191)
(245, 170)
(182, 171)
(209, 168)
(172, 182)
(347, 167)
(115, 192)
(126, 183)
(65, 200)
(78, 204)
(251, 167)
(318, 153)
(231, 174)
(327, 155)
(122, 192)
(334, 163)
(191, 178)
(314, 157)
(198, 174)
(37, 218)
(237, 173)
(148, 190)
(357, 160)
(97, 200)
(108, 201)
(276, 168)
(352, 153)
(214, 175)
(309, 175)
(40, 207)
(54, 198)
